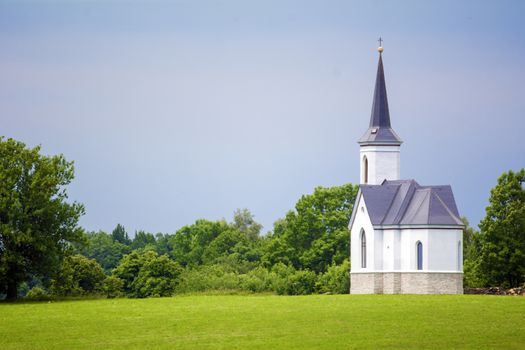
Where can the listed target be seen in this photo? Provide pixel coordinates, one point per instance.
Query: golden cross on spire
(380, 48)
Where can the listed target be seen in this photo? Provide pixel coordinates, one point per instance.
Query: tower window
(365, 170)
(363, 249)
(419, 254)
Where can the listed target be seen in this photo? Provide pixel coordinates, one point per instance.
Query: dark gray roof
(405, 202)
(380, 131)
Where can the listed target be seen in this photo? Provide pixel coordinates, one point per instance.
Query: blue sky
(174, 111)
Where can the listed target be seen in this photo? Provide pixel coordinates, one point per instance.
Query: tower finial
(380, 48)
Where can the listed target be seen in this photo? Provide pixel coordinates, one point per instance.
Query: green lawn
(268, 322)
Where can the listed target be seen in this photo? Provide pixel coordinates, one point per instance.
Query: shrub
(113, 287)
(335, 280)
(78, 275)
(37, 294)
(301, 282)
(147, 274)
(285, 280)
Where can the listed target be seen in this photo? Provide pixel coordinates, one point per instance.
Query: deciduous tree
(37, 224)
(502, 240)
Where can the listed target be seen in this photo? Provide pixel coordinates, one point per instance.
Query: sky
(181, 110)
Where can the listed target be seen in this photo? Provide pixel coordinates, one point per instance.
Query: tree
(315, 235)
(37, 225)
(502, 233)
(471, 249)
(119, 234)
(189, 243)
(104, 249)
(244, 221)
(143, 239)
(78, 276)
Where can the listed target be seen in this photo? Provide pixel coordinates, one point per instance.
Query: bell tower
(379, 153)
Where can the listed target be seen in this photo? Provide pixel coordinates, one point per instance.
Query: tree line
(45, 253)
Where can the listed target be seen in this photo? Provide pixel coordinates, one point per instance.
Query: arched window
(459, 256)
(419, 254)
(365, 170)
(363, 249)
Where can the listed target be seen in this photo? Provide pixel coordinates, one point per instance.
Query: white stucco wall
(384, 162)
(441, 247)
(361, 221)
(394, 249)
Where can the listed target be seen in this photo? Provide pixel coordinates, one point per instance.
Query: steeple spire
(380, 115)
(380, 130)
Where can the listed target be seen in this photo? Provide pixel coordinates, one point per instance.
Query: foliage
(469, 240)
(37, 225)
(37, 294)
(143, 239)
(471, 247)
(120, 235)
(113, 287)
(336, 279)
(501, 259)
(189, 243)
(78, 275)
(315, 235)
(147, 274)
(245, 223)
(209, 278)
(104, 249)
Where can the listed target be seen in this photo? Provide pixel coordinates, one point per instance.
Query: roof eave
(380, 143)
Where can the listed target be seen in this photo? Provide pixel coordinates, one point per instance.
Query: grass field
(268, 322)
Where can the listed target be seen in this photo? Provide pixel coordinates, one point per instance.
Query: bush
(146, 274)
(336, 280)
(78, 275)
(257, 280)
(301, 282)
(113, 287)
(208, 278)
(285, 280)
(37, 294)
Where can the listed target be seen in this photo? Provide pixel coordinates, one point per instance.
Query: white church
(405, 237)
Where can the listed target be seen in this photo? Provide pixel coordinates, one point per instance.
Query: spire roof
(380, 131)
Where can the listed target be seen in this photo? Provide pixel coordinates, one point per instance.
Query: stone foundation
(406, 283)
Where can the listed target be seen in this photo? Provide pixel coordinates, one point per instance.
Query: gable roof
(405, 202)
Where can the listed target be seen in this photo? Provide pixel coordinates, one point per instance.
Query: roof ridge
(458, 220)
(406, 201)
(420, 204)
(391, 202)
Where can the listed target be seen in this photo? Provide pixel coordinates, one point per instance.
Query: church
(405, 238)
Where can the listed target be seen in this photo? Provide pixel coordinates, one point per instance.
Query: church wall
(406, 283)
(391, 250)
(361, 221)
(440, 249)
(383, 163)
(408, 252)
(443, 250)
(378, 250)
(431, 283)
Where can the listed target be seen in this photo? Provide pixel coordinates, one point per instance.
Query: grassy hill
(268, 322)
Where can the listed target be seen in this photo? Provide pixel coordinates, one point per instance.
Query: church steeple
(379, 146)
(380, 131)
(380, 114)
